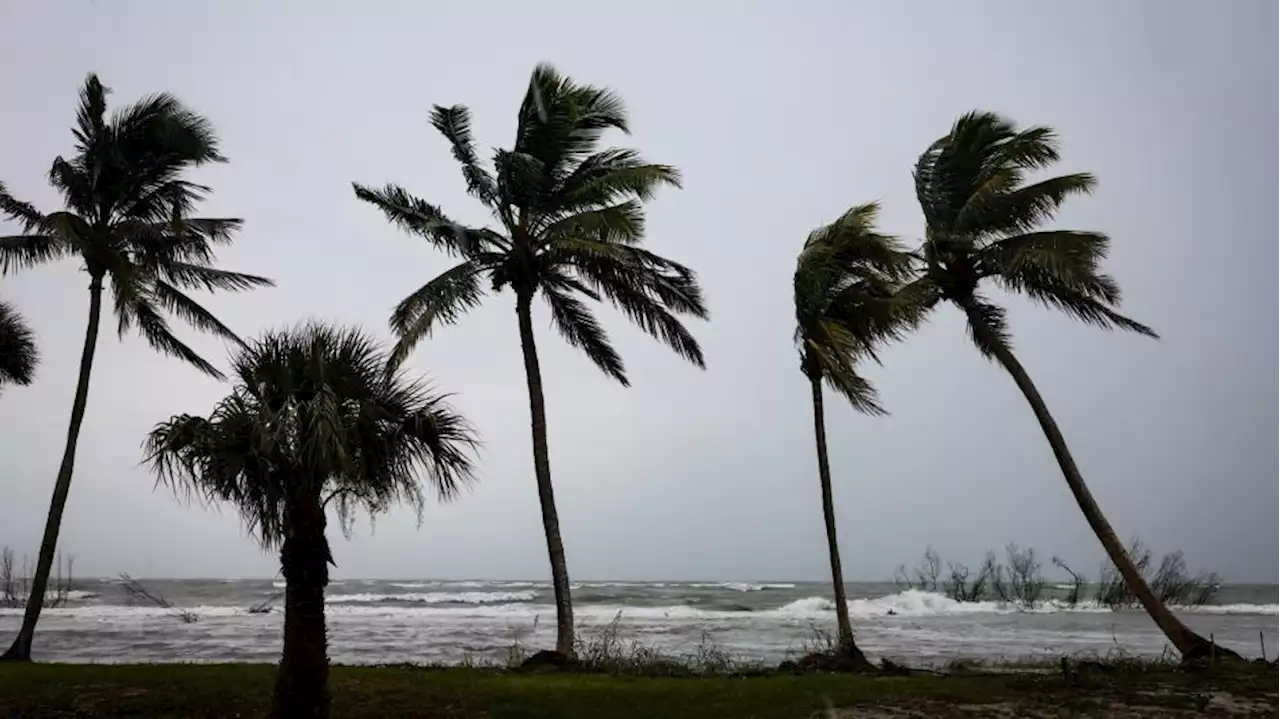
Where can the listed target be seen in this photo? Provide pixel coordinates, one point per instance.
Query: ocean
(451, 621)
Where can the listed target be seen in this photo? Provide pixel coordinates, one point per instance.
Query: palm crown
(981, 219)
(570, 224)
(128, 217)
(315, 410)
(846, 304)
(18, 353)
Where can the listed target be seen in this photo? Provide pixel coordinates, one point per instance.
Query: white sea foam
(73, 595)
(638, 585)
(436, 597)
(743, 586)
(518, 606)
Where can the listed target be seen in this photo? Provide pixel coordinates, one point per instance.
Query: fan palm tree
(845, 282)
(127, 219)
(315, 419)
(983, 222)
(570, 225)
(18, 353)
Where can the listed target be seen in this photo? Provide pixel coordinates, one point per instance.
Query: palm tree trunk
(1187, 642)
(844, 628)
(542, 472)
(21, 648)
(302, 681)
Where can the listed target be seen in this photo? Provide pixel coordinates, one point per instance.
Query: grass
(36, 691)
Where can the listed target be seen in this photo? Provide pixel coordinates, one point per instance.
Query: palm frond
(22, 252)
(91, 114)
(839, 373)
(560, 122)
(226, 457)
(621, 223)
(1080, 301)
(635, 299)
(422, 218)
(18, 353)
(852, 245)
(581, 330)
(443, 300)
(1025, 208)
(75, 183)
(173, 301)
(19, 211)
(987, 326)
(164, 199)
(193, 276)
(1069, 257)
(611, 175)
(455, 124)
(645, 287)
(155, 329)
(166, 132)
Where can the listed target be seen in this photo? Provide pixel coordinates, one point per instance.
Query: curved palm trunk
(843, 627)
(302, 681)
(21, 648)
(1187, 642)
(542, 472)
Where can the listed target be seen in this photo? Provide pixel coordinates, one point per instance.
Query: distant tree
(845, 303)
(315, 419)
(982, 223)
(18, 353)
(127, 219)
(571, 222)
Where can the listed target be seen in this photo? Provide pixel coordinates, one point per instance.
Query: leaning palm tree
(846, 304)
(983, 220)
(18, 353)
(570, 225)
(315, 420)
(127, 219)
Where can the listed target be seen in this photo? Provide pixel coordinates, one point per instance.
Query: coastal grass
(36, 691)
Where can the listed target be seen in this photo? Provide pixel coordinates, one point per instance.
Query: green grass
(243, 690)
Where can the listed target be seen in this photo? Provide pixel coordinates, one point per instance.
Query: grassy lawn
(243, 690)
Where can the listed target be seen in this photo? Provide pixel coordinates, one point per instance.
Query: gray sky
(780, 119)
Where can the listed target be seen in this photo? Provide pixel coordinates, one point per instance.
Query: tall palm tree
(570, 225)
(983, 222)
(127, 219)
(315, 419)
(845, 282)
(18, 353)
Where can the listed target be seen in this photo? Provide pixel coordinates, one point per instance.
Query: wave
(436, 598)
(73, 595)
(636, 585)
(520, 606)
(742, 586)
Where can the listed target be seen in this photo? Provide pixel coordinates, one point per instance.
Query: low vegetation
(1018, 580)
(37, 691)
(15, 580)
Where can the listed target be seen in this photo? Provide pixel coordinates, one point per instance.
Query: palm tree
(845, 302)
(983, 221)
(315, 419)
(570, 226)
(127, 219)
(18, 353)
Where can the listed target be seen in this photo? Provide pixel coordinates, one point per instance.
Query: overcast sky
(779, 120)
